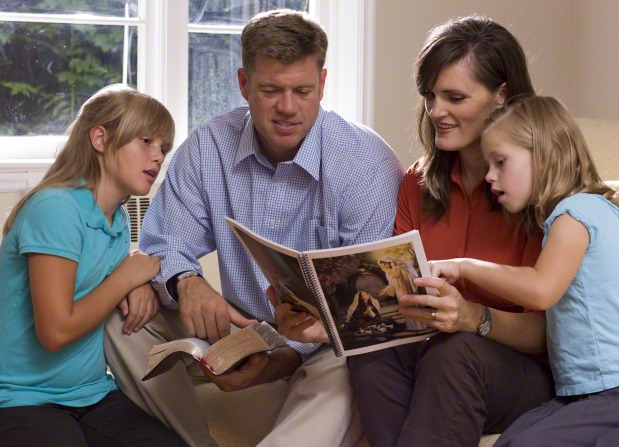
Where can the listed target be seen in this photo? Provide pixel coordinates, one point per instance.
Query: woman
(364, 311)
(480, 373)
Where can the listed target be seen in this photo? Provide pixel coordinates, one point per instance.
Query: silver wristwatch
(485, 326)
(185, 275)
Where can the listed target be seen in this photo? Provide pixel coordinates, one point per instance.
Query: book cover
(353, 290)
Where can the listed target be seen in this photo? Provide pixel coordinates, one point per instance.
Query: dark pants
(446, 391)
(115, 421)
(564, 422)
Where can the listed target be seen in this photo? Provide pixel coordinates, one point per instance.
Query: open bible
(353, 290)
(218, 357)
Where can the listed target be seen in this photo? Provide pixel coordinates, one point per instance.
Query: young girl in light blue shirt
(64, 266)
(541, 170)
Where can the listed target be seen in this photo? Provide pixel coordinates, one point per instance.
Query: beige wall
(570, 45)
(596, 61)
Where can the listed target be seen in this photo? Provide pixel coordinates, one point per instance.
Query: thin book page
(282, 268)
(361, 286)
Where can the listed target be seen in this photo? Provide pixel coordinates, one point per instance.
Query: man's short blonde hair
(285, 35)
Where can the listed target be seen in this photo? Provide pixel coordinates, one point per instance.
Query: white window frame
(163, 72)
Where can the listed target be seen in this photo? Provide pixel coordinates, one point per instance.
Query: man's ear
(98, 137)
(501, 96)
(322, 79)
(243, 78)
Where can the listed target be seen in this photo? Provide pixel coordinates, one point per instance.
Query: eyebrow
(296, 87)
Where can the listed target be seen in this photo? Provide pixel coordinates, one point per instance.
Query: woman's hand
(448, 311)
(448, 270)
(297, 326)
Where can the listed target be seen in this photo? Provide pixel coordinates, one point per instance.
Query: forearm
(523, 332)
(87, 313)
(519, 285)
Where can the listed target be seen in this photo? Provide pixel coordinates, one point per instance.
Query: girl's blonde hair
(125, 114)
(562, 161)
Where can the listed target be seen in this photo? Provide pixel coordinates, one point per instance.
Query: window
(53, 55)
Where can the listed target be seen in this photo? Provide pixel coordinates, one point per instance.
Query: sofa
(243, 418)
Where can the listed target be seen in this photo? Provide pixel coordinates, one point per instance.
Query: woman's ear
(501, 96)
(98, 137)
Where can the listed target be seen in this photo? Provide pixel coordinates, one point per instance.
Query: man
(297, 174)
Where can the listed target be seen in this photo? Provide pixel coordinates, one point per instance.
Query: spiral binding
(322, 308)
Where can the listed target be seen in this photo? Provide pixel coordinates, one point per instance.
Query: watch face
(484, 329)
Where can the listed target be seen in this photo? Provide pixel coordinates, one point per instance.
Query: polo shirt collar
(309, 154)
(94, 215)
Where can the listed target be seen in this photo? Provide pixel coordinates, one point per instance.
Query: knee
(367, 369)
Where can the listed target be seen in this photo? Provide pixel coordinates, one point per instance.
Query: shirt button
(272, 223)
(278, 185)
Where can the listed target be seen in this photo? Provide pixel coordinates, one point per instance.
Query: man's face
(284, 101)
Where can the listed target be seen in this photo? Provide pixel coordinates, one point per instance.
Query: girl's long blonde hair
(125, 114)
(562, 161)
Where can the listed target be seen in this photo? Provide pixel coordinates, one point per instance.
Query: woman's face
(458, 106)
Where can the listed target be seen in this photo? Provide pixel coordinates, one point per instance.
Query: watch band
(172, 283)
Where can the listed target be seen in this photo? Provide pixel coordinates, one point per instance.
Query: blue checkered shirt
(340, 189)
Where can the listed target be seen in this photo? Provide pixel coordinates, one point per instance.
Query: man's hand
(297, 326)
(257, 369)
(139, 307)
(204, 312)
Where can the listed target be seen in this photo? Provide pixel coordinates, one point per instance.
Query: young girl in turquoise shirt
(64, 266)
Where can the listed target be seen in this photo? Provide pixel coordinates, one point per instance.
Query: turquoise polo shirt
(68, 223)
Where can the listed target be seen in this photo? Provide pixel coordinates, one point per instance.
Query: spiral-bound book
(353, 290)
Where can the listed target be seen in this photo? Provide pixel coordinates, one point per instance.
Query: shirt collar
(455, 174)
(308, 156)
(94, 216)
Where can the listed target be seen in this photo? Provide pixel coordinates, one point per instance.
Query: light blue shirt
(66, 223)
(340, 189)
(583, 327)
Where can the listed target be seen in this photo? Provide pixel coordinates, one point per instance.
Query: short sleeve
(582, 207)
(51, 225)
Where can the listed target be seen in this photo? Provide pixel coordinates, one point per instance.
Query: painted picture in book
(363, 291)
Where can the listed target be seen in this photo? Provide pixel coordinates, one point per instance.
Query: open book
(218, 357)
(353, 290)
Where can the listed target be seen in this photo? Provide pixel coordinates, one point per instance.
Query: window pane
(213, 86)
(237, 12)
(48, 70)
(115, 8)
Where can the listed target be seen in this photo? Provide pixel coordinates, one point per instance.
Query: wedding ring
(433, 315)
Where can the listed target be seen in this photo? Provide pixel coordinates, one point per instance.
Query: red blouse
(470, 229)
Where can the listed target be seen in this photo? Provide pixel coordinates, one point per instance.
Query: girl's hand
(448, 270)
(297, 326)
(452, 313)
(139, 268)
(139, 307)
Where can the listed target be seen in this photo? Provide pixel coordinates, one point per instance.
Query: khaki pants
(317, 412)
